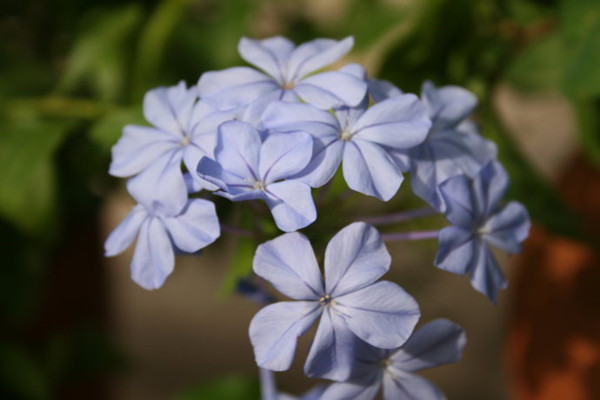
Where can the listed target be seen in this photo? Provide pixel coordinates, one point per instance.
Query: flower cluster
(277, 132)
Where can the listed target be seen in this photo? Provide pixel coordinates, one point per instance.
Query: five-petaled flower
(349, 302)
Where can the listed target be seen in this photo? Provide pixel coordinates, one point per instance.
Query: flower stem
(267, 385)
(400, 236)
(401, 216)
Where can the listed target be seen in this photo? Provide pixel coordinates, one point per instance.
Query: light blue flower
(288, 75)
(247, 169)
(183, 131)
(453, 147)
(478, 220)
(160, 231)
(349, 301)
(437, 343)
(362, 137)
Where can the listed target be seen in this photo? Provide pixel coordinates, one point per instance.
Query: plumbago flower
(183, 131)
(452, 147)
(288, 75)
(361, 137)
(477, 222)
(161, 229)
(247, 169)
(350, 303)
(437, 343)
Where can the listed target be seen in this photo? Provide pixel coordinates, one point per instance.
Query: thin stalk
(268, 391)
(401, 216)
(400, 236)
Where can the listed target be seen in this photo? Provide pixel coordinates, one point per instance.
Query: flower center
(384, 363)
(326, 300)
(346, 135)
(259, 185)
(185, 141)
(288, 85)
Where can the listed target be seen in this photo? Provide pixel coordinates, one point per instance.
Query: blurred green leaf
(580, 26)
(541, 66)
(28, 183)
(230, 388)
(21, 375)
(107, 130)
(241, 265)
(588, 120)
(153, 39)
(100, 57)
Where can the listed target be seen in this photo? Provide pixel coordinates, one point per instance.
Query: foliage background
(73, 72)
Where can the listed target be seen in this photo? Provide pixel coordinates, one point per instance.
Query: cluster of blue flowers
(275, 134)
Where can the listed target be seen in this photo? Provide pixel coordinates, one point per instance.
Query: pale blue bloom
(437, 343)
(362, 137)
(288, 75)
(183, 130)
(453, 147)
(159, 231)
(247, 169)
(478, 220)
(349, 302)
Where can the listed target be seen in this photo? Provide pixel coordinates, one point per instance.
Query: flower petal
(289, 263)
(122, 236)
(291, 204)
(238, 149)
(370, 170)
(447, 105)
(153, 259)
(170, 108)
(327, 156)
(316, 54)
(139, 147)
(234, 87)
(398, 123)
(283, 155)
(281, 117)
(381, 314)
(196, 227)
(161, 187)
(349, 390)
(274, 331)
(332, 351)
(355, 257)
(486, 275)
(406, 386)
(270, 54)
(436, 343)
(489, 187)
(331, 90)
(456, 250)
(461, 205)
(508, 227)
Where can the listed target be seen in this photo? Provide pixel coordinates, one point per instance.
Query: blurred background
(74, 72)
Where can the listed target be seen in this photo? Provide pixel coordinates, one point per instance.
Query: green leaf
(230, 388)
(100, 58)
(580, 27)
(241, 265)
(107, 130)
(588, 119)
(27, 186)
(541, 66)
(153, 40)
